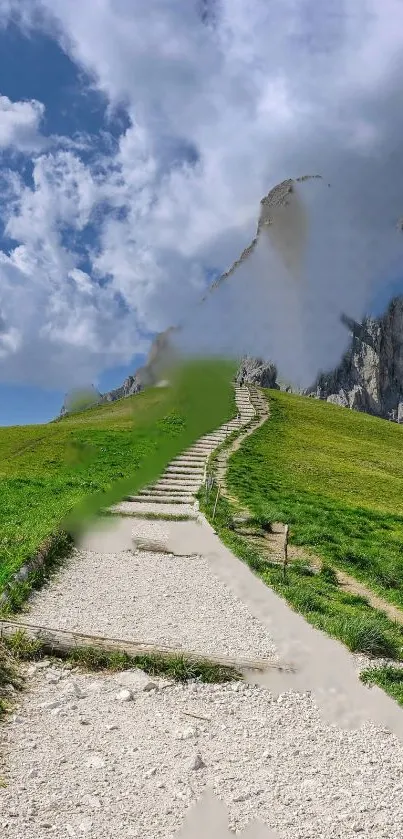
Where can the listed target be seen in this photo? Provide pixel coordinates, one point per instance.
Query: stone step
(160, 499)
(207, 452)
(175, 478)
(192, 471)
(156, 490)
(204, 445)
(213, 436)
(189, 461)
(172, 490)
(178, 480)
(188, 455)
(159, 512)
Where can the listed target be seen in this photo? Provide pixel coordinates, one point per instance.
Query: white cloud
(20, 125)
(259, 93)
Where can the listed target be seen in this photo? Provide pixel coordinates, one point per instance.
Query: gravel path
(80, 761)
(151, 597)
(92, 765)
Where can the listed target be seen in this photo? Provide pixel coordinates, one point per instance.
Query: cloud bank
(223, 100)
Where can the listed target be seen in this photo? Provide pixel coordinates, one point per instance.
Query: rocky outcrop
(282, 217)
(256, 371)
(370, 375)
(130, 386)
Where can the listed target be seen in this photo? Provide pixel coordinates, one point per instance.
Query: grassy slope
(76, 465)
(336, 477)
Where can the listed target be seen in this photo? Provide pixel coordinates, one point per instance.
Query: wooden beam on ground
(64, 641)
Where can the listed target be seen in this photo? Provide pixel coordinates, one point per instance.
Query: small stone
(243, 796)
(85, 825)
(52, 680)
(124, 695)
(187, 733)
(72, 689)
(93, 802)
(58, 712)
(42, 665)
(53, 703)
(84, 721)
(151, 772)
(95, 762)
(196, 763)
(136, 679)
(33, 773)
(112, 727)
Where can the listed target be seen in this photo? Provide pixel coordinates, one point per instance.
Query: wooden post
(285, 563)
(216, 499)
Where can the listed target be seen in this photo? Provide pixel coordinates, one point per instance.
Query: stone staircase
(174, 492)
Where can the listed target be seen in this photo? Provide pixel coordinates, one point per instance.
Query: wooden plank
(64, 641)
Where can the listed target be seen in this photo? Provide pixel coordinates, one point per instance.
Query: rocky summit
(369, 377)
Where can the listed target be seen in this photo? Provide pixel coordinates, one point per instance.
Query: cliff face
(256, 371)
(370, 375)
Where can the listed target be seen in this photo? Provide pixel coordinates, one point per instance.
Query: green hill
(336, 477)
(52, 476)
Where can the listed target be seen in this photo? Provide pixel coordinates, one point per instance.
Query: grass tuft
(389, 678)
(361, 634)
(179, 668)
(328, 574)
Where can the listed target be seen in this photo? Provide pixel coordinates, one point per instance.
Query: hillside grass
(54, 476)
(347, 617)
(336, 477)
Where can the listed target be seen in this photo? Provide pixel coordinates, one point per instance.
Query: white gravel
(105, 756)
(364, 662)
(151, 597)
(90, 764)
(130, 507)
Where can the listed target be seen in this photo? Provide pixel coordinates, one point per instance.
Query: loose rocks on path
(135, 767)
(145, 596)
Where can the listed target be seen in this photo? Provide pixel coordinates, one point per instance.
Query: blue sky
(136, 141)
(32, 66)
